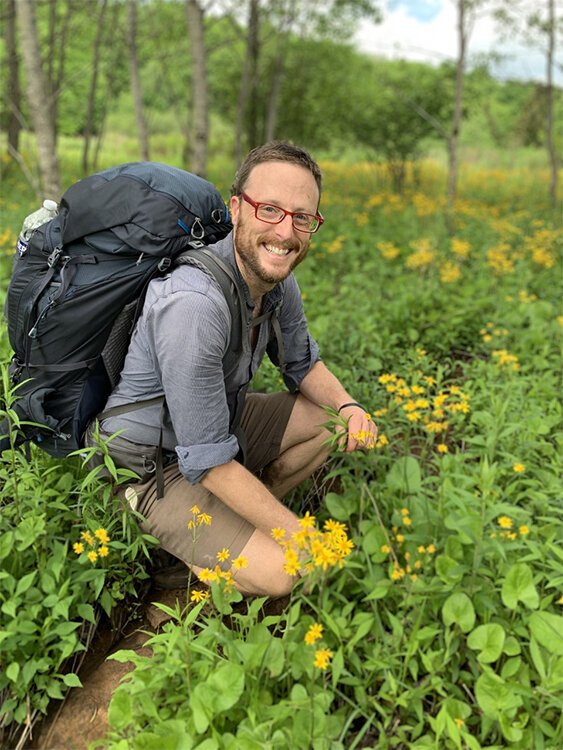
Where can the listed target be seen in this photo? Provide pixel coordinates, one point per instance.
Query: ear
(234, 207)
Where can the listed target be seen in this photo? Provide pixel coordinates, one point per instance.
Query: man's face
(267, 253)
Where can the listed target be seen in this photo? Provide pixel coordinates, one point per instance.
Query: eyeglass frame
(257, 204)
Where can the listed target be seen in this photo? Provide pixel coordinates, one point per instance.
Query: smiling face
(267, 253)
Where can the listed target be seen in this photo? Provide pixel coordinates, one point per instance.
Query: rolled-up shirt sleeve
(188, 333)
(301, 351)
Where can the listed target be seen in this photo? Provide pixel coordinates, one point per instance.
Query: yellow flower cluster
(541, 245)
(491, 330)
(424, 205)
(208, 575)
(336, 245)
(423, 255)
(388, 250)
(506, 360)
(322, 655)
(449, 272)
(498, 258)
(508, 533)
(96, 542)
(422, 405)
(199, 518)
(460, 248)
(405, 563)
(310, 548)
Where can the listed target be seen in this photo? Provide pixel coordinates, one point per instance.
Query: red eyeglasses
(275, 215)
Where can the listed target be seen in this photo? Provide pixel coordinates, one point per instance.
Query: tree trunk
(279, 70)
(56, 52)
(248, 84)
(199, 131)
(40, 102)
(13, 93)
(93, 88)
(550, 141)
(458, 105)
(136, 79)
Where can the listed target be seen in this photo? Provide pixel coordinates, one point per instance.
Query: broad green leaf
(488, 640)
(339, 506)
(72, 680)
(494, 695)
(459, 609)
(547, 629)
(449, 570)
(404, 475)
(25, 582)
(12, 671)
(120, 713)
(518, 586)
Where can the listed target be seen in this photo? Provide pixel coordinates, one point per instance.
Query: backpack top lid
(152, 207)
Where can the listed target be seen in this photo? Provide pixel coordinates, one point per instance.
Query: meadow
(430, 611)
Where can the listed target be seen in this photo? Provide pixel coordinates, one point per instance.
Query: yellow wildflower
(278, 534)
(204, 518)
(407, 520)
(431, 549)
(191, 524)
(519, 468)
(307, 522)
(88, 538)
(207, 576)
(442, 448)
(459, 723)
(386, 549)
(103, 551)
(223, 554)
(400, 538)
(240, 562)
(78, 547)
(405, 511)
(102, 536)
(524, 530)
(421, 549)
(313, 634)
(199, 596)
(92, 556)
(505, 522)
(322, 658)
(334, 526)
(194, 509)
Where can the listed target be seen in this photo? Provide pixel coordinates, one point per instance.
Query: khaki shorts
(264, 422)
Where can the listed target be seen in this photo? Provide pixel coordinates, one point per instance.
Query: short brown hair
(275, 151)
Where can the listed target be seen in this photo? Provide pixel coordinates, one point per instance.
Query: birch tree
(136, 87)
(40, 100)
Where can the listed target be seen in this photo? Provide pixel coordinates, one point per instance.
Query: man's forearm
(249, 497)
(323, 388)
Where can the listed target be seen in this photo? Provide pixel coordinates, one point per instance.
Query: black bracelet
(350, 403)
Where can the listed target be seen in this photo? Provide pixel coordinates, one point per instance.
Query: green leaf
(548, 631)
(13, 671)
(338, 506)
(449, 570)
(86, 611)
(404, 475)
(458, 609)
(518, 586)
(120, 713)
(494, 696)
(72, 680)
(25, 582)
(488, 640)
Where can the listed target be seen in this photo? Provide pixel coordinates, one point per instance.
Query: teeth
(276, 250)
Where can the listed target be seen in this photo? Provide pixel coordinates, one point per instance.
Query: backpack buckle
(52, 260)
(164, 264)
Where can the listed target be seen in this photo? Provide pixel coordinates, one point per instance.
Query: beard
(248, 248)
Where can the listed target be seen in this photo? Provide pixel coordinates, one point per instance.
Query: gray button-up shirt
(177, 350)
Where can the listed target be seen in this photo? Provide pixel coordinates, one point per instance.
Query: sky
(425, 30)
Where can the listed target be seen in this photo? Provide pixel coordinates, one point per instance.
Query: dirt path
(83, 717)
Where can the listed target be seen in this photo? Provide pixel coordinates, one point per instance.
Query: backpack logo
(21, 247)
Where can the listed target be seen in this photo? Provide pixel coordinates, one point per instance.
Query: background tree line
(239, 73)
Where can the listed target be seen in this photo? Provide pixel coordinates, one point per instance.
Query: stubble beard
(247, 246)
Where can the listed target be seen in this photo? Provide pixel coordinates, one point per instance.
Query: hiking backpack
(78, 288)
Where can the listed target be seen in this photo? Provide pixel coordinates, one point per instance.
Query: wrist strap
(350, 403)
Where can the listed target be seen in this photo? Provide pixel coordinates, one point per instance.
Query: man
(177, 350)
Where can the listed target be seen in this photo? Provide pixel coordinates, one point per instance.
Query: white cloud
(403, 36)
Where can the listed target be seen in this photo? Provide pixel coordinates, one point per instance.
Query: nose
(285, 230)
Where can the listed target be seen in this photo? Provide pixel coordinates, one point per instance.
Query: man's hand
(362, 432)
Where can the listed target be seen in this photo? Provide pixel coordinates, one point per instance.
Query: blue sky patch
(422, 10)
